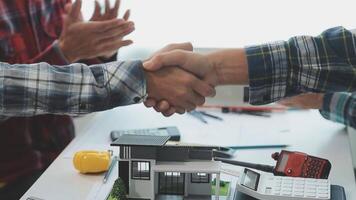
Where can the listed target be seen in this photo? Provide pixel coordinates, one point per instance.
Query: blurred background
(229, 23)
(211, 24)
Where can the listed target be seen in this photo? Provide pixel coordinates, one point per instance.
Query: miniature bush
(222, 183)
(118, 191)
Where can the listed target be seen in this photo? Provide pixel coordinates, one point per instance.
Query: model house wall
(151, 168)
(198, 188)
(142, 188)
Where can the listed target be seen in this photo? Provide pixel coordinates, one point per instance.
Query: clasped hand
(178, 80)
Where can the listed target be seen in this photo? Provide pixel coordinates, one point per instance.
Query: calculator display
(250, 179)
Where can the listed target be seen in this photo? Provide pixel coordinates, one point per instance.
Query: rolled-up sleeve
(326, 63)
(340, 107)
(74, 89)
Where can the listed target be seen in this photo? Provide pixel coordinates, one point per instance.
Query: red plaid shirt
(29, 30)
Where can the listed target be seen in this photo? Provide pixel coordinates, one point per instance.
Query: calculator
(171, 131)
(266, 186)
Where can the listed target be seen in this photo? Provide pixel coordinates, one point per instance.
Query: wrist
(230, 66)
(320, 101)
(68, 56)
(149, 78)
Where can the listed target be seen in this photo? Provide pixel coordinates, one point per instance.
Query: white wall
(142, 188)
(231, 23)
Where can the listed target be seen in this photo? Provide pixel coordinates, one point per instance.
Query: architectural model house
(153, 168)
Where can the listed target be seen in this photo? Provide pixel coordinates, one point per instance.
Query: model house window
(176, 174)
(141, 170)
(200, 178)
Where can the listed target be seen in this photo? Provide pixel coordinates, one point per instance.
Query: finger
(117, 33)
(107, 7)
(105, 49)
(197, 99)
(76, 8)
(180, 110)
(204, 89)
(169, 112)
(150, 102)
(103, 26)
(172, 58)
(96, 15)
(163, 106)
(156, 108)
(115, 10)
(187, 46)
(127, 15)
(190, 106)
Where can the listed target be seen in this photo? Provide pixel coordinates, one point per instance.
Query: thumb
(171, 58)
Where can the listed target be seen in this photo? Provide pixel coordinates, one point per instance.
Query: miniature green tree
(118, 191)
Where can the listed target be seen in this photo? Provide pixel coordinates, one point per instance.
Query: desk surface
(309, 132)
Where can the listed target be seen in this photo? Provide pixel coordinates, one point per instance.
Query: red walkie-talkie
(297, 164)
(294, 164)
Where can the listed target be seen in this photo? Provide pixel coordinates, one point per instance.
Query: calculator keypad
(299, 187)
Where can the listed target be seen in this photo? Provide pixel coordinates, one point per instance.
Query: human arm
(339, 107)
(326, 63)
(78, 89)
(75, 89)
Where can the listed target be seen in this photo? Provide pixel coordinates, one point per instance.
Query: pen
(198, 115)
(259, 146)
(112, 165)
(212, 116)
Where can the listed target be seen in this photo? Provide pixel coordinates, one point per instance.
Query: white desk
(309, 133)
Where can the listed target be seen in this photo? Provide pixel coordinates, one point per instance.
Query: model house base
(153, 168)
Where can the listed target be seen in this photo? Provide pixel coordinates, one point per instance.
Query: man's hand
(198, 64)
(222, 67)
(109, 14)
(164, 106)
(195, 63)
(304, 101)
(85, 40)
(181, 89)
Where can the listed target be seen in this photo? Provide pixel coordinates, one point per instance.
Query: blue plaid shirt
(340, 107)
(31, 89)
(326, 63)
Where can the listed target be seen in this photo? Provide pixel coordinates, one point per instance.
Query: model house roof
(155, 141)
(140, 140)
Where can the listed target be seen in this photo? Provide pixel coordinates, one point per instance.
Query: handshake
(178, 80)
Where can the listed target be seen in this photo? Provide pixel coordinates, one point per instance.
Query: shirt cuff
(127, 83)
(59, 52)
(335, 106)
(268, 72)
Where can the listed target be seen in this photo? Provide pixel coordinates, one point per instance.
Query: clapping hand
(109, 14)
(97, 38)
